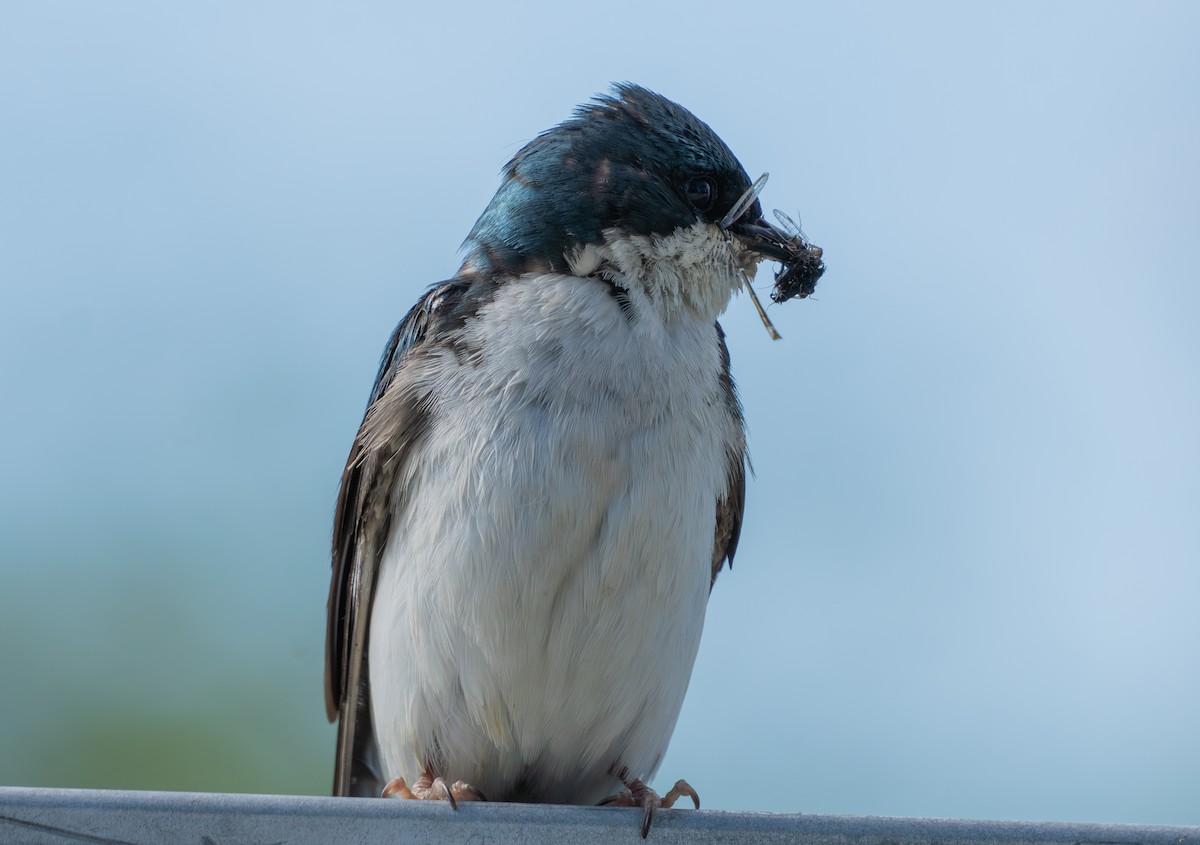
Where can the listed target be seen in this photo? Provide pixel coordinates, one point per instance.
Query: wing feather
(394, 421)
(732, 504)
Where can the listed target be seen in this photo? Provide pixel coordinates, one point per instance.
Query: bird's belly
(541, 597)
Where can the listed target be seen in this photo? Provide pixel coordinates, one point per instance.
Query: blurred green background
(968, 576)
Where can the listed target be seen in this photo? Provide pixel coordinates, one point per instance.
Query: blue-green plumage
(623, 161)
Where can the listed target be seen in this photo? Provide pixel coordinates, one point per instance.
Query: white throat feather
(692, 270)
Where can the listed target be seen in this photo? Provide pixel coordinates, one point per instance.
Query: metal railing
(58, 816)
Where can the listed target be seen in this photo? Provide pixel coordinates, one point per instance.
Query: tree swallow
(550, 473)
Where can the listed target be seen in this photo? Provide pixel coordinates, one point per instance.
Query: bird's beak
(800, 264)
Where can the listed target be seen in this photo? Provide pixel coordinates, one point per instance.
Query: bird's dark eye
(701, 193)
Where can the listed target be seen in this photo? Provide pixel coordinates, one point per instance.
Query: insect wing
(789, 226)
(744, 202)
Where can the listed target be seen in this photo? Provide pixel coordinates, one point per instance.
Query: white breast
(542, 593)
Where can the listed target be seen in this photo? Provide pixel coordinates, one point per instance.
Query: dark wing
(395, 419)
(733, 503)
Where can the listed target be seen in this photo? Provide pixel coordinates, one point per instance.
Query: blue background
(968, 579)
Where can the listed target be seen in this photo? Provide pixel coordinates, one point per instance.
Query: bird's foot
(429, 787)
(637, 794)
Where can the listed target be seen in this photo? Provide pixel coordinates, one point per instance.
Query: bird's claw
(428, 787)
(637, 794)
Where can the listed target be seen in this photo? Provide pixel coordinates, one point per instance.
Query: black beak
(800, 264)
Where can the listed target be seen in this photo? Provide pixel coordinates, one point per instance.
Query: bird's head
(632, 186)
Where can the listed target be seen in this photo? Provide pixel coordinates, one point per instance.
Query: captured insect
(800, 264)
(798, 273)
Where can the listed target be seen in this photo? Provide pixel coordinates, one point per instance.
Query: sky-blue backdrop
(968, 579)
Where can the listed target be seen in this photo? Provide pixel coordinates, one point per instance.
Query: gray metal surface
(58, 816)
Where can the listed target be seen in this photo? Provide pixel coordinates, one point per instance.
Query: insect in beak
(800, 264)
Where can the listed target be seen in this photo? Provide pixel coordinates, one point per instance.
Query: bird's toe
(637, 794)
(435, 788)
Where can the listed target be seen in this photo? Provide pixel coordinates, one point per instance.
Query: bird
(549, 475)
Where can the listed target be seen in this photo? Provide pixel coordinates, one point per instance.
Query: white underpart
(694, 269)
(542, 594)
